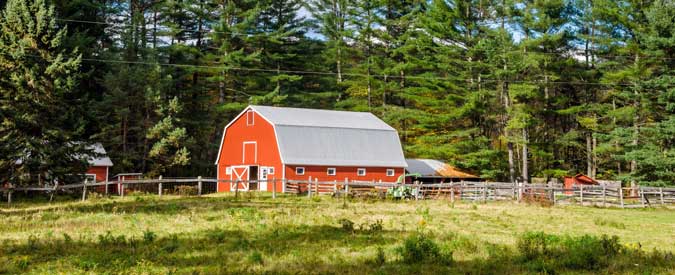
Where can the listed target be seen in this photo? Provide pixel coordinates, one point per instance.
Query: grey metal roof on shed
(322, 137)
(103, 160)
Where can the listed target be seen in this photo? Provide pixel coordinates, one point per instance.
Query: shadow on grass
(301, 249)
(155, 205)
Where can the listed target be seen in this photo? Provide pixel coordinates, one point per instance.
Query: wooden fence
(464, 191)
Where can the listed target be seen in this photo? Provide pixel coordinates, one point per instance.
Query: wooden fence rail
(468, 191)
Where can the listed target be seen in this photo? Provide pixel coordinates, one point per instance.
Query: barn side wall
(101, 172)
(232, 153)
(350, 173)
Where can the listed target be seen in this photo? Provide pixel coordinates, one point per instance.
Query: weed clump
(256, 258)
(347, 225)
(149, 236)
(541, 252)
(186, 190)
(420, 248)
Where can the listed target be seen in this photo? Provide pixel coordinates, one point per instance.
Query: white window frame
(250, 118)
(358, 172)
(270, 170)
(90, 175)
(228, 170)
(328, 171)
(299, 174)
(391, 172)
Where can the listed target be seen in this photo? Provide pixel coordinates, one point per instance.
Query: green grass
(256, 234)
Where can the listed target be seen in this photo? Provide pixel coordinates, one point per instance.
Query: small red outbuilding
(579, 179)
(265, 142)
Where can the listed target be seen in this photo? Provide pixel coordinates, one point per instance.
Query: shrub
(543, 252)
(22, 262)
(419, 248)
(171, 244)
(149, 236)
(256, 258)
(216, 235)
(377, 226)
(380, 257)
(186, 190)
(347, 225)
(109, 240)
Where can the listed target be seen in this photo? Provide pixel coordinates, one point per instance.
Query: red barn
(265, 142)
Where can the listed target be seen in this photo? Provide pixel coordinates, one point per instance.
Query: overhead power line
(381, 76)
(579, 52)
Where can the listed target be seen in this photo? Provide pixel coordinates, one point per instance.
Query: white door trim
(255, 152)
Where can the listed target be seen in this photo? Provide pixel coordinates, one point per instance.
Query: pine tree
(40, 133)
(169, 148)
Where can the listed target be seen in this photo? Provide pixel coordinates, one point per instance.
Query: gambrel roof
(339, 138)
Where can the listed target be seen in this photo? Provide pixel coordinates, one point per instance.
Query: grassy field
(217, 234)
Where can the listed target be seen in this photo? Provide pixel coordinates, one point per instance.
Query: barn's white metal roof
(340, 138)
(321, 118)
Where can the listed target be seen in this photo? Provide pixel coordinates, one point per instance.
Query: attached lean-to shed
(265, 142)
(435, 171)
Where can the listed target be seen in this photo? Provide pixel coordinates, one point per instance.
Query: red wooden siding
(101, 172)
(264, 152)
(342, 172)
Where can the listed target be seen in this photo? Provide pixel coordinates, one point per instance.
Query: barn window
(270, 170)
(300, 171)
(361, 172)
(390, 172)
(249, 117)
(228, 171)
(90, 178)
(330, 171)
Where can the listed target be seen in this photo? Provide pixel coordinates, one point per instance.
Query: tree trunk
(589, 158)
(525, 157)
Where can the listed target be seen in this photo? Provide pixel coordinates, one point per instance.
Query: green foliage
(545, 253)
(420, 248)
(41, 112)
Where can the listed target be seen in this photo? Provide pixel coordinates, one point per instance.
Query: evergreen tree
(41, 129)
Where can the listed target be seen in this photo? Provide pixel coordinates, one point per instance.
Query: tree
(41, 129)
(169, 148)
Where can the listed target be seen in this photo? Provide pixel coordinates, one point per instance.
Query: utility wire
(580, 51)
(302, 72)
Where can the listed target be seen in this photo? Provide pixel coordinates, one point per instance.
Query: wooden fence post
(581, 194)
(604, 196)
(122, 189)
(84, 190)
(316, 186)
(106, 187)
(484, 193)
(419, 190)
(236, 190)
(199, 185)
(9, 195)
(452, 193)
(621, 196)
(641, 193)
(274, 188)
(159, 189)
(309, 187)
(160, 182)
(661, 195)
(520, 191)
